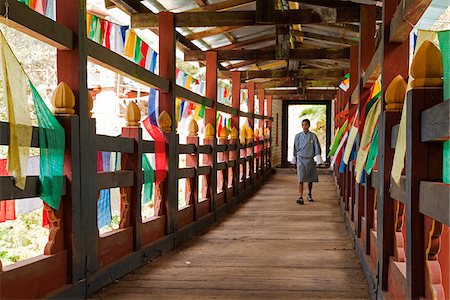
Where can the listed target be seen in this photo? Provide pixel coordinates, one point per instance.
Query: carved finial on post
(224, 133)
(63, 100)
(209, 131)
(261, 132)
(165, 122)
(193, 128)
(234, 133)
(249, 133)
(90, 104)
(133, 115)
(268, 132)
(427, 68)
(256, 133)
(243, 135)
(395, 94)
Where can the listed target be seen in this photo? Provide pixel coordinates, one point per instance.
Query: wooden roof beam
(301, 73)
(325, 38)
(269, 54)
(248, 18)
(210, 32)
(228, 4)
(407, 15)
(248, 42)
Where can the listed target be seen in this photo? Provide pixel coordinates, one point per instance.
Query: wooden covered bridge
(379, 225)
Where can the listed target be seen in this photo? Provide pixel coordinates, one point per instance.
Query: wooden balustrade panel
(114, 245)
(35, 277)
(186, 216)
(153, 229)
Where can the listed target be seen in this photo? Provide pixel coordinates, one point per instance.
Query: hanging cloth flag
(50, 11)
(337, 139)
(152, 58)
(39, 6)
(375, 94)
(104, 215)
(95, 32)
(51, 152)
(149, 179)
(153, 106)
(88, 25)
(351, 140)
(130, 44)
(220, 125)
(160, 150)
(345, 84)
(137, 50)
(7, 207)
(188, 82)
(373, 152)
(14, 81)
(444, 45)
(107, 34)
(339, 148)
(366, 138)
(144, 50)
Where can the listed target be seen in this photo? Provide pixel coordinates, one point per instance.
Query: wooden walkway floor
(270, 248)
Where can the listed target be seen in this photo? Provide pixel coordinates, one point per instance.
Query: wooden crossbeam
(241, 44)
(302, 73)
(269, 54)
(280, 93)
(306, 96)
(248, 18)
(210, 32)
(328, 3)
(221, 6)
(325, 38)
(407, 15)
(294, 82)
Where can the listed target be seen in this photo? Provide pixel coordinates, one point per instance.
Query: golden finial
(90, 104)
(193, 128)
(165, 122)
(256, 133)
(267, 132)
(224, 133)
(395, 94)
(133, 115)
(209, 131)
(249, 133)
(63, 99)
(234, 133)
(243, 134)
(261, 132)
(427, 68)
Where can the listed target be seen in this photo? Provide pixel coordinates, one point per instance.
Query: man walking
(306, 147)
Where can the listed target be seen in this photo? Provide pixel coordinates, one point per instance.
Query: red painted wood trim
(211, 86)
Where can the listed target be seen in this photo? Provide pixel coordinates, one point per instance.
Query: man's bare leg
(310, 184)
(300, 191)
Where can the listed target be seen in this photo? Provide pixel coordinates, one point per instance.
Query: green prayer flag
(444, 45)
(201, 113)
(51, 151)
(373, 152)
(26, 2)
(337, 139)
(346, 76)
(137, 50)
(149, 179)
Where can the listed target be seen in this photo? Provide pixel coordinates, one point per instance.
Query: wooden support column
(236, 103)
(169, 188)
(394, 61)
(354, 71)
(72, 69)
(423, 163)
(251, 121)
(269, 126)
(366, 51)
(192, 161)
(210, 120)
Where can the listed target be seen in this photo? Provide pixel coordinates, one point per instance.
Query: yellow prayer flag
(130, 44)
(366, 138)
(350, 142)
(15, 85)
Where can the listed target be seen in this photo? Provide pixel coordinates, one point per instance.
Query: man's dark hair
(307, 121)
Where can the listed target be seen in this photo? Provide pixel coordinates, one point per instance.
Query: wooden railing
(402, 231)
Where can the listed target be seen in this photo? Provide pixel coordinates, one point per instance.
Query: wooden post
(261, 106)
(210, 120)
(369, 197)
(72, 69)
(236, 103)
(394, 61)
(366, 50)
(169, 189)
(133, 161)
(251, 110)
(192, 161)
(269, 126)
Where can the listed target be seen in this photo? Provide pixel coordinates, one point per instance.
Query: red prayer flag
(7, 208)
(160, 150)
(107, 34)
(144, 49)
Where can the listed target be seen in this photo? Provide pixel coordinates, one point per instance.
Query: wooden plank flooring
(270, 248)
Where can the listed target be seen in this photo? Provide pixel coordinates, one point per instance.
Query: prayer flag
(337, 139)
(373, 152)
(130, 44)
(104, 215)
(444, 45)
(160, 150)
(14, 81)
(7, 208)
(149, 179)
